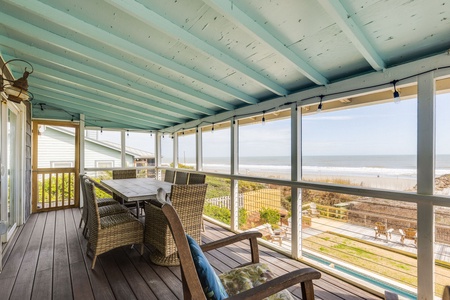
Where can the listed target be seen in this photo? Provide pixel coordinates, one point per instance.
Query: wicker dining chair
(169, 176)
(188, 200)
(124, 174)
(252, 280)
(196, 178)
(110, 232)
(181, 177)
(106, 206)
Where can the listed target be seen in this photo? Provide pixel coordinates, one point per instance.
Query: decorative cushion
(212, 286)
(241, 279)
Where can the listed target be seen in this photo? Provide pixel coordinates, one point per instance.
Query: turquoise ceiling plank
(231, 11)
(84, 96)
(85, 70)
(91, 54)
(72, 23)
(50, 109)
(50, 74)
(153, 19)
(338, 12)
(93, 108)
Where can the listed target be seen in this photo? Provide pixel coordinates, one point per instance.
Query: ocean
(397, 166)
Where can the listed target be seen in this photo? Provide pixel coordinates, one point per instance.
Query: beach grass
(389, 263)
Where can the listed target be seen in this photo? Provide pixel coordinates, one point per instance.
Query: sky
(381, 129)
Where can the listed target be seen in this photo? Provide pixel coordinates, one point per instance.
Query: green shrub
(269, 215)
(223, 214)
(217, 187)
(242, 217)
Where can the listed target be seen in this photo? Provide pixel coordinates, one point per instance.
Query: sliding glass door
(11, 170)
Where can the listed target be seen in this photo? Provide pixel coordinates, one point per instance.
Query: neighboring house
(60, 152)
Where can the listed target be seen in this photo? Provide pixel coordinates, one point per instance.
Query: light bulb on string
(319, 108)
(263, 120)
(396, 94)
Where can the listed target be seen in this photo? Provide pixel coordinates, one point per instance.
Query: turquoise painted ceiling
(153, 64)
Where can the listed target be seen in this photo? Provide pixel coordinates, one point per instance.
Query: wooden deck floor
(47, 261)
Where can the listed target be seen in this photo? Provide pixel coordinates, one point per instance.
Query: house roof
(136, 153)
(155, 64)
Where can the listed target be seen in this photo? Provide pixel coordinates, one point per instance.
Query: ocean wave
(320, 170)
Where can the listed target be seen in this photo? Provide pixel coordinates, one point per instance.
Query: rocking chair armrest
(303, 276)
(249, 235)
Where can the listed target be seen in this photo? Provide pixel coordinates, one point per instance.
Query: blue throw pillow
(212, 286)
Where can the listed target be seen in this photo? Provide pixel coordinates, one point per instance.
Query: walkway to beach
(320, 225)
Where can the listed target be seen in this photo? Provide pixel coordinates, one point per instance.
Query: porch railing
(54, 188)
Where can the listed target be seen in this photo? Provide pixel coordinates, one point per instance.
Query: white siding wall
(55, 146)
(59, 146)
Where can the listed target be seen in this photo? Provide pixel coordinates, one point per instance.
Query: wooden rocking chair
(192, 285)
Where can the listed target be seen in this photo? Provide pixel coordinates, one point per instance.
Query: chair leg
(93, 262)
(307, 290)
(81, 221)
(85, 231)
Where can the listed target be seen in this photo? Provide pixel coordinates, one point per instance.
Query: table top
(136, 189)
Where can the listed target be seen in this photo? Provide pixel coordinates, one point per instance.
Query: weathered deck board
(62, 288)
(48, 260)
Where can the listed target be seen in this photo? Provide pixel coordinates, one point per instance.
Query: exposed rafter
(94, 112)
(93, 55)
(153, 19)
(79, 97)
(86, 71)
(96, 115)
(238, 16)
(95, 33)
(338, 12)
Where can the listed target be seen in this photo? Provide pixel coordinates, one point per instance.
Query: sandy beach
(386, 182)
(379, 182)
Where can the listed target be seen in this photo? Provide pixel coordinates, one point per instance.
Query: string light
(128, 133)
(319, 108)
(101, 129)
(151, 133)
(263, 120)
(396, 94)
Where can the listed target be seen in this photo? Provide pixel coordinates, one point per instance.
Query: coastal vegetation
(395, 264)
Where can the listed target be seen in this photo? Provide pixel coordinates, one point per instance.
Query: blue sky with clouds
(380, 129)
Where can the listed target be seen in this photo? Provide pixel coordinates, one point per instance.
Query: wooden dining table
(136, 189)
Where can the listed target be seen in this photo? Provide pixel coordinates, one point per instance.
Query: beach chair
(381, 229)
(408, 234)
(271, 235)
